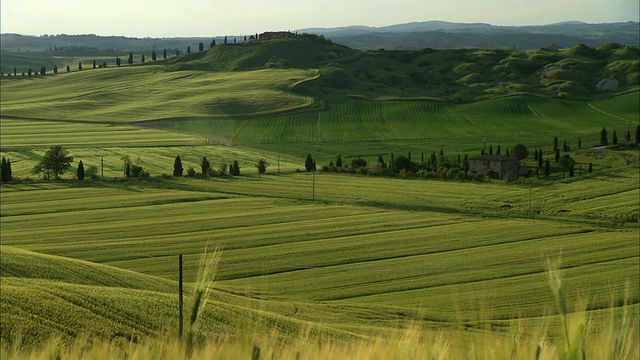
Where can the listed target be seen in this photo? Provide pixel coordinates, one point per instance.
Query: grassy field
(336, 256)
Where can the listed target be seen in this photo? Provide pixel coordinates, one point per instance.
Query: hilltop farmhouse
(494, 166)
(269, 35)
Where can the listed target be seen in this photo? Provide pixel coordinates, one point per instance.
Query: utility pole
(180, 293)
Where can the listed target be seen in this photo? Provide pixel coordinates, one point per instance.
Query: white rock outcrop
(607, 84)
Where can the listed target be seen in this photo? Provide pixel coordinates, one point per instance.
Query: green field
(342, 255)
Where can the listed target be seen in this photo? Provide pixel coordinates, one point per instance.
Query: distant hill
(446, 35)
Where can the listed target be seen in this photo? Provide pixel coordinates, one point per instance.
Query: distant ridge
(448, 35)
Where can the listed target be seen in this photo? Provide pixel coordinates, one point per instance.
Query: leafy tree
(92, 172)
(603, 137)
(80, 171)
(223, 168)
(547, 168)
(177, 167)
(142, 59)
(56, 162)
(308, 163)
(130, 59)
(201, 46)
(566, 162)
(104, 64)
(118, 61)
(262, 166)
(520, 152)
(5, 170)
(191, 172)
(79, 65)
(358, 163)
(381, 162)
(234, 168)
(29, 72)
(338, 161)
(153, 55)
(614, 138)
(402, 163)
(43, 70)
(205, 166)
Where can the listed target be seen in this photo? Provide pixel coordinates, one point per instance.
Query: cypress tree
(547, 168)
(188, 49)
(205, 166)
(308, 163)
(164, 53)
(540, 159)
(153, 55)
(565, 148)
(422, 157)
(234, 168)
(580, 143)
(603, 137)
(557, 155)
(177, 167)
(68, 68)
(339, 161)
(491, 149)
(118, 61)
(79, 65)
(127, 170)
(201, 46)
(130, 59)
(590, 170)
(555, 143)
(498, 150)
(3, 171)
(213, 43)
(142, 59)
(614, 138)
(80, 171)
(55, 69)
(94, 63)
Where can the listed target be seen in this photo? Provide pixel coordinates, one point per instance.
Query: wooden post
(180, 292)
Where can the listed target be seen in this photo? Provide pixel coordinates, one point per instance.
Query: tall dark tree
(15, 71)
(142, 60)
(465, 163)
(498, 150)
(547, 168)
(94, 63)
(28, 72)
(339, 161)
(580, 143)
(130, 59)
(603, 137)
(154, 56)
(188, 49)
(638, 134)
(262, 166)
(565, 147)
(79, 65)
(614, 138)
(43, 71)
(381, 162)
(540, 159)
(80, 171)
(177, 167)
(225, 39)
(627, 137)
(68, 68)
(572, 169)
(555, 143)
(422, 157)
(118, 61)
(557, 158)
(433, 160)
(213, 43)
(55, 162)
(234, 168)
(535, 155)
(104, 64)
(55, 69)
(201, 46)
(177, 52)
(491, 149)
(392, 161)
(590, 170)
(205, 166)
(164, 53)
(308, 163)
(5, 170)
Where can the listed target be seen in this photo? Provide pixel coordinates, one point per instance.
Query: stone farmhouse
(495, 166)
(269, 35)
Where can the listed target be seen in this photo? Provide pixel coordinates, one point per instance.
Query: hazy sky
(169, 18)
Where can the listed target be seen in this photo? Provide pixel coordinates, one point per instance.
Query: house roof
(493, 157)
